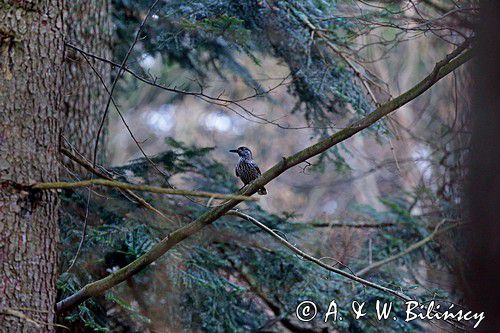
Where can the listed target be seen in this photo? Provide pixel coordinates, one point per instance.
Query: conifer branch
(408, 250)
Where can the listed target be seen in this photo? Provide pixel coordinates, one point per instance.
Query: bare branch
(98, 173)
(345, 225)
(320, 263)
(308, 257)
(217, 100)
(144, 188)
(353, 276)
(121, 116)
(233, 105)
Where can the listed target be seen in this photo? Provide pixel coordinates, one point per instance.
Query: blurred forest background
(385, 205)
(403, 176)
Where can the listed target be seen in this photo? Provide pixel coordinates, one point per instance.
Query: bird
(246, 168)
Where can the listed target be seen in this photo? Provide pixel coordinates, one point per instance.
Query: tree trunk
(89, 27)
(483, 188)
(31, 79)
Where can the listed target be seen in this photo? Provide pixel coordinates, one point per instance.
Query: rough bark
(88, 24)
(31, 78)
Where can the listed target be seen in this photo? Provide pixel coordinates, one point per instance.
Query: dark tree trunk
(43, 91)
(88, 24)
(31, 78)
(481, 275)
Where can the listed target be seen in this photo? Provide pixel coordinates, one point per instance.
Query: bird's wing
(256, 168)
(236, 172)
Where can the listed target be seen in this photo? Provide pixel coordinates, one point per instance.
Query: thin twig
(345, 225)
(84, 232)
(308, 257)
(113, 86)
(231, 105)
(218, 100)
(123, 119)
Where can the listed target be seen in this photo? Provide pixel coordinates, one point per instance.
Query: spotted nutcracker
(246, 168)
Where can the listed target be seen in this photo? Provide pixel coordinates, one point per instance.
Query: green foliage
(111, 297)
(90, 313)
(408, 229)
(226, 276)
(230, 278)
(333, 157)
(208, 36)
(230, 28)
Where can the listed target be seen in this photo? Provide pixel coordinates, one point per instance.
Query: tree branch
(143, 188)
(442, 68)
(217, 100)
(409, 249)
(353, 277)
(231, 104)
(39, 324)
(318, 262)
(345, 225)
(98, 173)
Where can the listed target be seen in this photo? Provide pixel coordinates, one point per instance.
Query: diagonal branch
(129, 130)
(318, 262)
(217, 100)
(442, 68)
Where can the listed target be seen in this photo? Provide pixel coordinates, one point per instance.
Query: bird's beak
(233, 151)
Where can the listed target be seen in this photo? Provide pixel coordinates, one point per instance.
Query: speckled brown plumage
(246, 168)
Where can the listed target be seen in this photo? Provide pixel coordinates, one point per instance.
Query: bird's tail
(262, 191)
